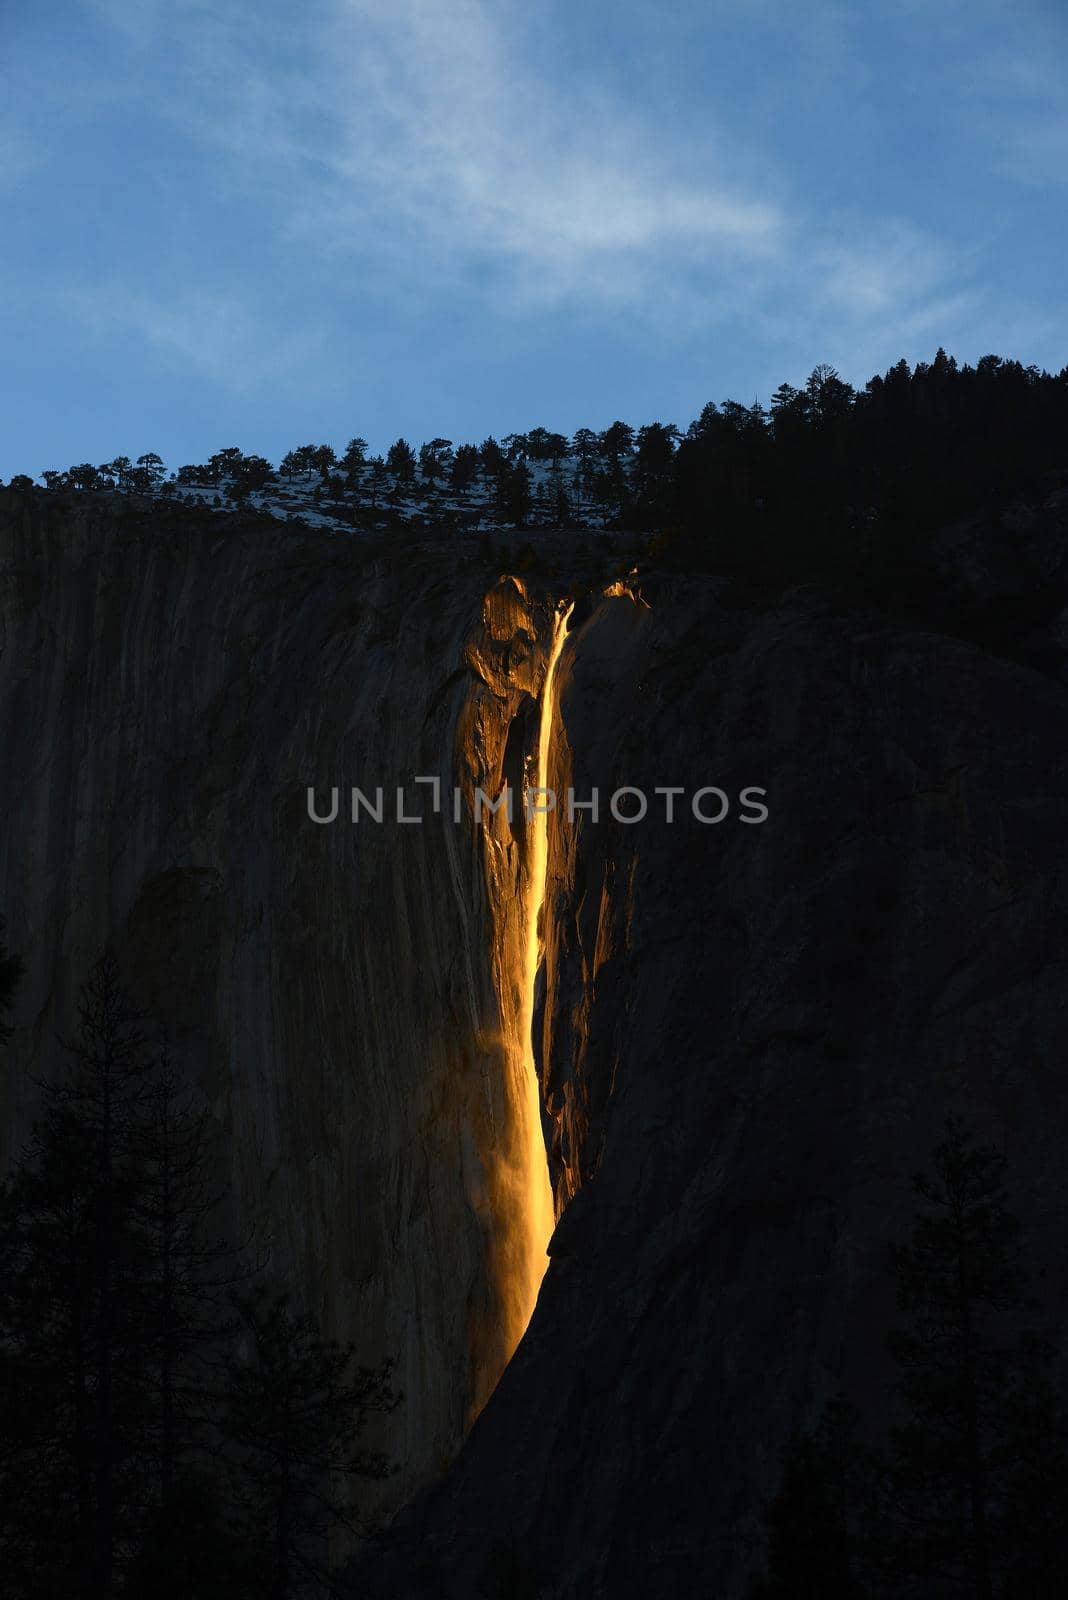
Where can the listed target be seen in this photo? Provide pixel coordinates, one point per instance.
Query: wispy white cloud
(884, 268)
(19, 157)
(419, 124)
(1035, 149)
(207, 334)
(1018, 103)
(424, 145)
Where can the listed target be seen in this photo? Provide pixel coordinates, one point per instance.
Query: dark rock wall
(748, 1035)
(752, 1035)
(169, 687)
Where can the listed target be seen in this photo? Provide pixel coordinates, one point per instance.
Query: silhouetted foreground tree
(127, 1443)
(823, 1523)
(71, 1312)
(507, 1574)
(188, 1270)
(10, 973)
(969, 1494)
(296, 1407)
(957, 1284)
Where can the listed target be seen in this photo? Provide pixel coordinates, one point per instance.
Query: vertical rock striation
(342, 996)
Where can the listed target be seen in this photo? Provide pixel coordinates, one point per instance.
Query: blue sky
(266, 224)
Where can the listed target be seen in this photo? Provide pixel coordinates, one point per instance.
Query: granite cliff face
(340, 995)
(747, 1035)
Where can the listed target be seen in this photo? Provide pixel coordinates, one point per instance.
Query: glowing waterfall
(538, 1196)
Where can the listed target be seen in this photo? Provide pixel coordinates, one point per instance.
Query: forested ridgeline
(824, 479)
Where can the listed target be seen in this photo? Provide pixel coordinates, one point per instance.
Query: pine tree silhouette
(297, 1405)
(11, 970)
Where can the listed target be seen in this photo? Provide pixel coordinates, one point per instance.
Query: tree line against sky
(828, 483)
(841, 466)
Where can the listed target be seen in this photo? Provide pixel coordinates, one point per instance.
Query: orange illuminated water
(536, 1190)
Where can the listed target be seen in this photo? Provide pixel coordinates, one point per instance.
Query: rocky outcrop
(748, 1034)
